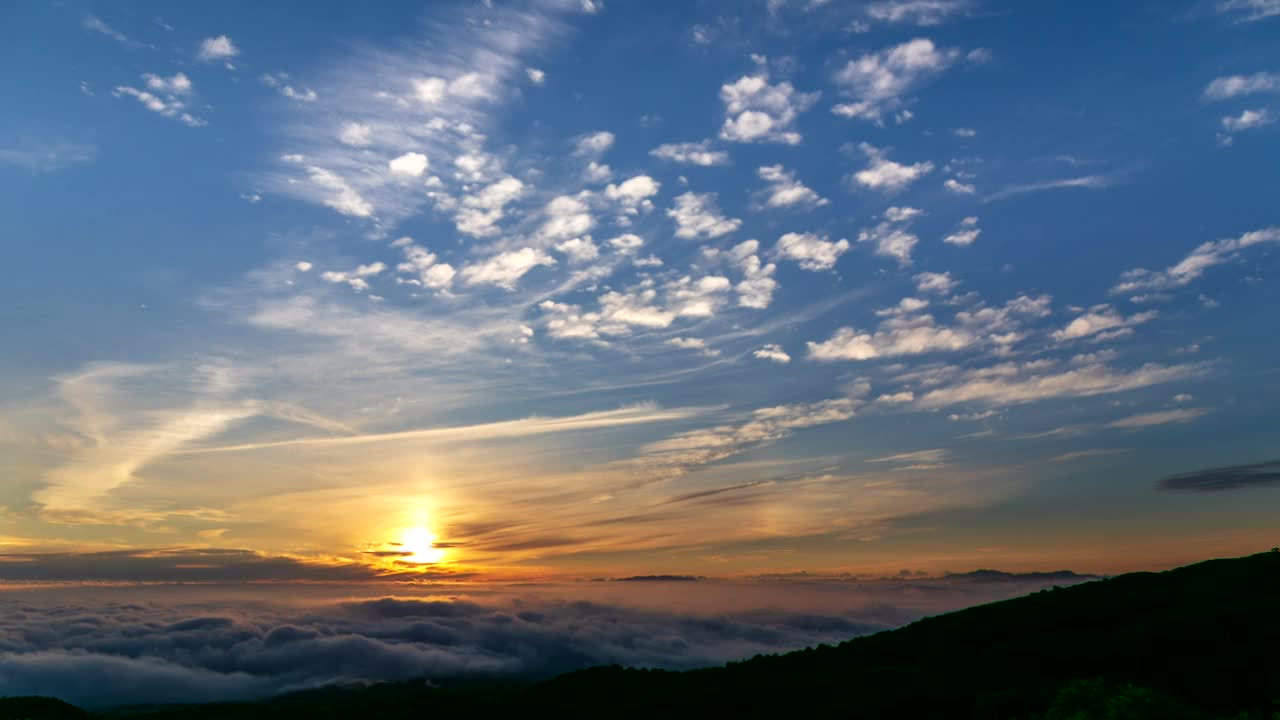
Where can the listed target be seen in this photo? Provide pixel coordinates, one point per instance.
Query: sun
(419, 543)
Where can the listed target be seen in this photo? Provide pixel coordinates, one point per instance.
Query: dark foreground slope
(1206, 636)
(1201, 641)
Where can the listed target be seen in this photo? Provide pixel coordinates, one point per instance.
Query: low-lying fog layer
(99, 646)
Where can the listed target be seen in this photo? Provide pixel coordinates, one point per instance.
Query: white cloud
(1250, 10)
(1008, 384)
(696, 215)
(280, 81)
(939, 283)
(972, 417)
(568, 322)
(1161, 417)
(757, 286)
(1247, 120)
(633, 309)
(303, 95)
(474, 166)
(964, 132)
(438, 276)
(902, 214)
(303, 266)
(593, 144)
(891, 238)
(772, 353)
(424, 266)
(473, 86)
(1087, 181)
(434, 94)
(1091, 358)
(915, 12)
(931, 457)
(355, 134)
(355, 278)
(905, 331)
(339, 195)
(122, 438)
(688, 343)
(809, 250)
(618, 315)
(626, 244)
(178, 84)
(478, 214)
(1102, 321)
(596, 172)
(1230, 86)
(430, 91)
(506, 268)
(691, 153)
(633, 194)
(757, 111)
(1194, 265)
(966, 234)
(916, 336)
(955, 186)
(536, 76)
(763, 426)
(877, 82)
(776, 6)
(217, 48)
(700, 297)
(1081, 454)
(176, 90)
(905, 306)
(579, 250)
(898, 398)
(97, 25)
(434, 90)
(410, 164)
(567, 217)
(886, 175)
(786, 191)
(891, 242)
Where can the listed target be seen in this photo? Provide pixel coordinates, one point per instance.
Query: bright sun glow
(419, 542)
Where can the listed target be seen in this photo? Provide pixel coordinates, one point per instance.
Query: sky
(561, 290)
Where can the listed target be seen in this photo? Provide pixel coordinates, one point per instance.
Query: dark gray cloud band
(1231, 477)
(190, 565)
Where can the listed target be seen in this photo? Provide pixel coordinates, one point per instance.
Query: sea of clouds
(106, 645)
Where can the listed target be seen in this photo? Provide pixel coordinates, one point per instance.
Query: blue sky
(664, 287)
